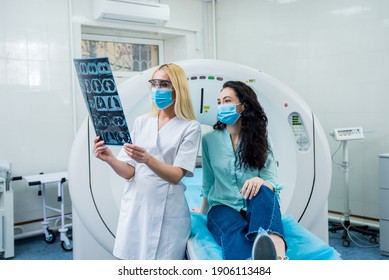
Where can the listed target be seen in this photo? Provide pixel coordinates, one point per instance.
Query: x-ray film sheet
(101, 97)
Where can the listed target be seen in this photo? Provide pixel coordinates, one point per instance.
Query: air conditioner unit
(130, 11)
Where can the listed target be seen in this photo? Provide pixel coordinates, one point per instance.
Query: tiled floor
(36, 248)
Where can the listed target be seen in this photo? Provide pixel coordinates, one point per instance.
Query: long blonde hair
(183, 106)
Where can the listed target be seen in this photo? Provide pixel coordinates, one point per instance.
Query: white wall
(41, 106)
(35, 97)
(335, 54)
(34, 85)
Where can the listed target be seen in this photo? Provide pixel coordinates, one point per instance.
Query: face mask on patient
(226, 113)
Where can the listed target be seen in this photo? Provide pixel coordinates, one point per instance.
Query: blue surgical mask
(227, 114)
(162, 97)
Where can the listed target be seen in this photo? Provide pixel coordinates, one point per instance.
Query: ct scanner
(300, 148)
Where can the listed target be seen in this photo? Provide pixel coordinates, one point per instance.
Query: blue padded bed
(302, 244)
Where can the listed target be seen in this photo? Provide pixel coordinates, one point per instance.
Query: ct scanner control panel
(351, 133)
(299, 131)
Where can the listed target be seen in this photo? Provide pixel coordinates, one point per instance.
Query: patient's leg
(263, 211)
(229, 229)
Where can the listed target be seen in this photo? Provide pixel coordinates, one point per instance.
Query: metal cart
(41, 180)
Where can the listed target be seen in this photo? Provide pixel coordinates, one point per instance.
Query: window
(127, 56)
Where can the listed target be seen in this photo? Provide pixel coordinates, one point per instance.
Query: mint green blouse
(222, 180)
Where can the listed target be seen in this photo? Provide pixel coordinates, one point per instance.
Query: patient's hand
(203, 208)
(197, 210)
(251, 187)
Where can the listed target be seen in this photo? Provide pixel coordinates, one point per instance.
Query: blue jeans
(235, 231)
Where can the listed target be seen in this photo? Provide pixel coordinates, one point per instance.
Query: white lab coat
(154, 220)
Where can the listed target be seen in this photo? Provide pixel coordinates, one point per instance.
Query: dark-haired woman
(240, 186)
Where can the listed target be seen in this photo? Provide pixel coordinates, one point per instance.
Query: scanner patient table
(302, 244)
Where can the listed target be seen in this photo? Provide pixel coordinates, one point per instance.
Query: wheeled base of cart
(41, 180)
(347, 227)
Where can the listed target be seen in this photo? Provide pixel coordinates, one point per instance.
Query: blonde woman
(154, 221)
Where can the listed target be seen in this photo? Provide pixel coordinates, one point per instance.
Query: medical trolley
(41, 180)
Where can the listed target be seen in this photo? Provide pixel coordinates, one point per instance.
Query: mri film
(101, 97)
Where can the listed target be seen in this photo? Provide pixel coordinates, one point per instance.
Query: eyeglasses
(160, 83)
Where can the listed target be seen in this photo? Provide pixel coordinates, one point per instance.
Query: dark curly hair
(253, 149)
